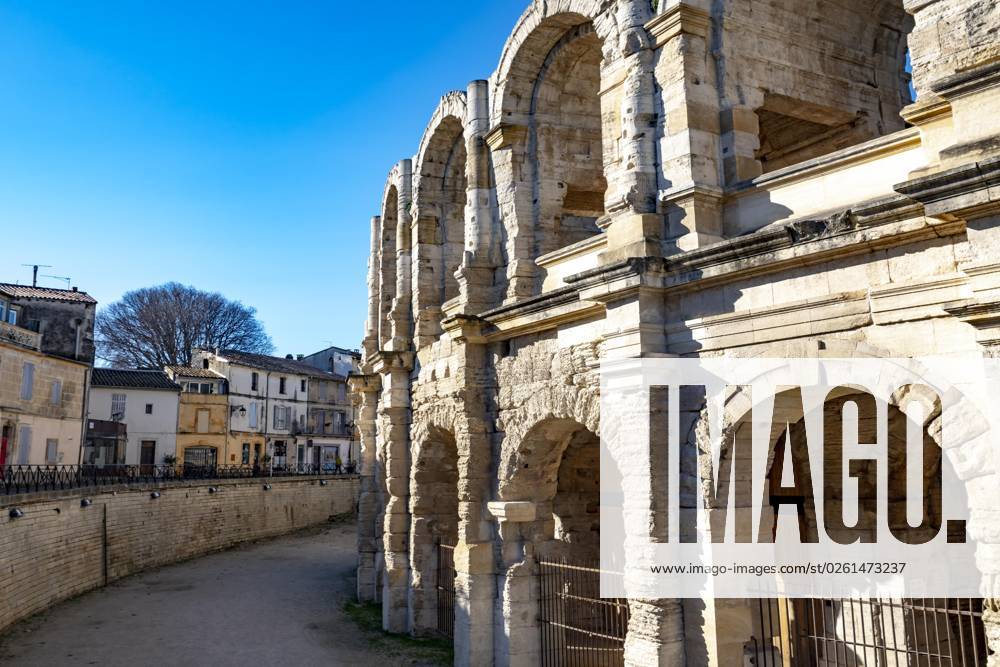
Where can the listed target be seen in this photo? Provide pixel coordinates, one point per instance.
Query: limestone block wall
(60, 549)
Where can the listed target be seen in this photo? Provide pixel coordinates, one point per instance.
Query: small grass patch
(368, 617)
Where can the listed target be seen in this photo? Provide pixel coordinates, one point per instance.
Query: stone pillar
(514, 173)
(394, 414)
(517, 632)
(481, 258)
(475, 581)
(691, 193)
(402, 315)
(365, 390)
(370, 343)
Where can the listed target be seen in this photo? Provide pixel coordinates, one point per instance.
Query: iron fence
(881, 632)
(446, 590)
(578, 627)
(16, 479)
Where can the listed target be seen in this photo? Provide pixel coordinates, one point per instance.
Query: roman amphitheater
(751, 178)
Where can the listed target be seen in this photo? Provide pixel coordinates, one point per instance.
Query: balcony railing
(16, 479)
(20, 336)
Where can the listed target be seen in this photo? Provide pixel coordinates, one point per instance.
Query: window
(203, 421)
(253, 415)
(56, 396)
(204, 364)
(11, 316)
(27, 381)
(199, 456)
(52, 451)
(302, 422)
(149, 408)
(338, 422)
(319, 416)
(280, 417)
(117, 407)
(206, 388)
(281, 385)
(322, 391)
(246, 453)
(303, 384)
(254, 379)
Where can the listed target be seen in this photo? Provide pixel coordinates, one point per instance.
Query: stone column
(514, 173)
(481, 258)
(518, 636)
(475, 581)
(402, 316)
(691, 192)
(370, 344)
(394, 414)
(365, 390)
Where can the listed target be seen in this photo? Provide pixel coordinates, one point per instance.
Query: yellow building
(203, 418)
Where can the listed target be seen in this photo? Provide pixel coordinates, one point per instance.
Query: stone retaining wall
(60, 548)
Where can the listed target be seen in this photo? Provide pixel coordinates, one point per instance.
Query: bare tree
(159, 326)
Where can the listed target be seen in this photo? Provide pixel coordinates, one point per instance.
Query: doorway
(147, 457)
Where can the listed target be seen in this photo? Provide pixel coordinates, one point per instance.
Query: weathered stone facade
(717, 177)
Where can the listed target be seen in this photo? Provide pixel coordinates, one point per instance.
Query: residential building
(147, 402)
(203, 419)
(105, 443)
(283, 411)
(334, 360)
(46, 353)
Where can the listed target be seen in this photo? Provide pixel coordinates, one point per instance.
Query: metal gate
(578, 627)
(446, 590)
(878, 632)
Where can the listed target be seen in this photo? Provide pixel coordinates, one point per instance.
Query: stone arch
(434, 506)
(388, 223)
(440, 194)
(739, 620)
(556, 130)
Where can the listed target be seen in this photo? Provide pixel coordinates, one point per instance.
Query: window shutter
(52, 451)
(253, 415)
(56, 392)
(24, 446)
(27, 381)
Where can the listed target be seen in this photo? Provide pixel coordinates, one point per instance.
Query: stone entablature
(704, 179)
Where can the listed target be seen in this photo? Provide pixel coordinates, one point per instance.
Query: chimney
(288, 356)
(74, 288)
(300, 357)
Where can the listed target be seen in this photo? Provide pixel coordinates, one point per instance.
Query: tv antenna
(34, 272)
(65, 279)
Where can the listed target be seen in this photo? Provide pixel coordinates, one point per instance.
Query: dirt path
(278, 602)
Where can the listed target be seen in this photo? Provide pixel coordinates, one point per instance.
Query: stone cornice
(364, 383)
(464, 328)
(505, 135)
(385, 361)
(969, 191)
(968, 82)
(681, 19)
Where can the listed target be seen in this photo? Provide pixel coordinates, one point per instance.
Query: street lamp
(239, 408)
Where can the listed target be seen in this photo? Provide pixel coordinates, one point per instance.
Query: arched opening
(440, 242)
(552, 89)
(387, 261)
(557, 466)
(565, 138)
(845, 630)
(434, 508)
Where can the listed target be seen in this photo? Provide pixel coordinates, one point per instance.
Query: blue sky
(238, 147)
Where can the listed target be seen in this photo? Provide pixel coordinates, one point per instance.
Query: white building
(146, 401)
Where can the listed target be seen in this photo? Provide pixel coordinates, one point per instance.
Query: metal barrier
(446, 590)
(869, 633)
(16, 479)
(578, 627)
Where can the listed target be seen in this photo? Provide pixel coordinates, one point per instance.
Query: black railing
(578, 626)
(939, 632)
(16, 479)
(446, 590)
